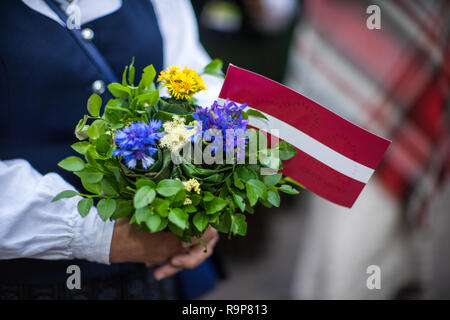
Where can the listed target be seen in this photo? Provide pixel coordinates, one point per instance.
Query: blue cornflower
(137, 142)
(226, 119)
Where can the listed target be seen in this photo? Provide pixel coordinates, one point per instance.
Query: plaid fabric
(393, 81)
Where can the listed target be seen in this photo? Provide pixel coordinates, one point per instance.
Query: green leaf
(162, 224)
(161, 206)
(91, 156)
(265, 203)
(84, 206)
(147, 78)
(151, 98)
(214, 68)
(106, 208)
(239, 200)
(118, 90)
(178, 199)
(103, 145)
(72, 164)
(246, 174)
(89, 176)
(124, 76)
(273, 179)
(258, 187)
(175, 230)
(131, 71)
(196, 199)
(200, 221)
(94, 104)
(180, 218)
(124, 209)
(109, 186)
(145, 182)
(256, 114)
(215, 205)
(273, 198)
(153, 223)
(224, 223)
(290, 180)
(169, 187)
(237, 181)
(80, 147)
(190, 208)
(286, 151)
(251, 195)
(238, 224)
(81, 129)
(96, 129)
(95, 188)
(115, 108)
(142, 214)
(144, 196)
(65, 194)
(208, 196)
(288, 189)
(172, 109)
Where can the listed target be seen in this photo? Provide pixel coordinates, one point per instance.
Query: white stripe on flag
(312, 147)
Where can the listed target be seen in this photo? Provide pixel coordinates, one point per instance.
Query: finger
(187, 245)
(209, 234)
(195, 256)
(169, 269)
(165, 271)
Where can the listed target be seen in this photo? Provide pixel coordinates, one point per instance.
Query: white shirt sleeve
(34, 227)
(31, 225)
(182, 47)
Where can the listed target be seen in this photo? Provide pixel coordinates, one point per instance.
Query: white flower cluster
(192, 184)
(176, 134)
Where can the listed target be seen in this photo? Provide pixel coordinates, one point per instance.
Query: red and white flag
(335, 158)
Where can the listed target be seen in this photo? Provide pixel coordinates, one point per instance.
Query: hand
(131, 245)
(194, 255)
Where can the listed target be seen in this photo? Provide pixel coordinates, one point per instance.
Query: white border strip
(312, 147)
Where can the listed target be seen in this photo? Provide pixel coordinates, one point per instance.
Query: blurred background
(384, 65)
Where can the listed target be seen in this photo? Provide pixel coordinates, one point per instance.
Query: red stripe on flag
(321, 179)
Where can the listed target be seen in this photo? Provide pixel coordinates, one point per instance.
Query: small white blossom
(192, 184)
(176, 134)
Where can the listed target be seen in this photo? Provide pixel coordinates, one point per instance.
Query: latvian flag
(335, 158)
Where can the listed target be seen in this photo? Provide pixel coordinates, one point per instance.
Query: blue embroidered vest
(45, 80)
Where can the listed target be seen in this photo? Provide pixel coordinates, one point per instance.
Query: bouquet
(170, 165)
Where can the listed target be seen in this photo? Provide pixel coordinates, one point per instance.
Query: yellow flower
(182, 84)
(170, 72)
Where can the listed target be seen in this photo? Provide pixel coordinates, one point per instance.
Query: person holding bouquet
(48, 67)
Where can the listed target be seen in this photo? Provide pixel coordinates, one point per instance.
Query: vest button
(87, 34)
(98, 86)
